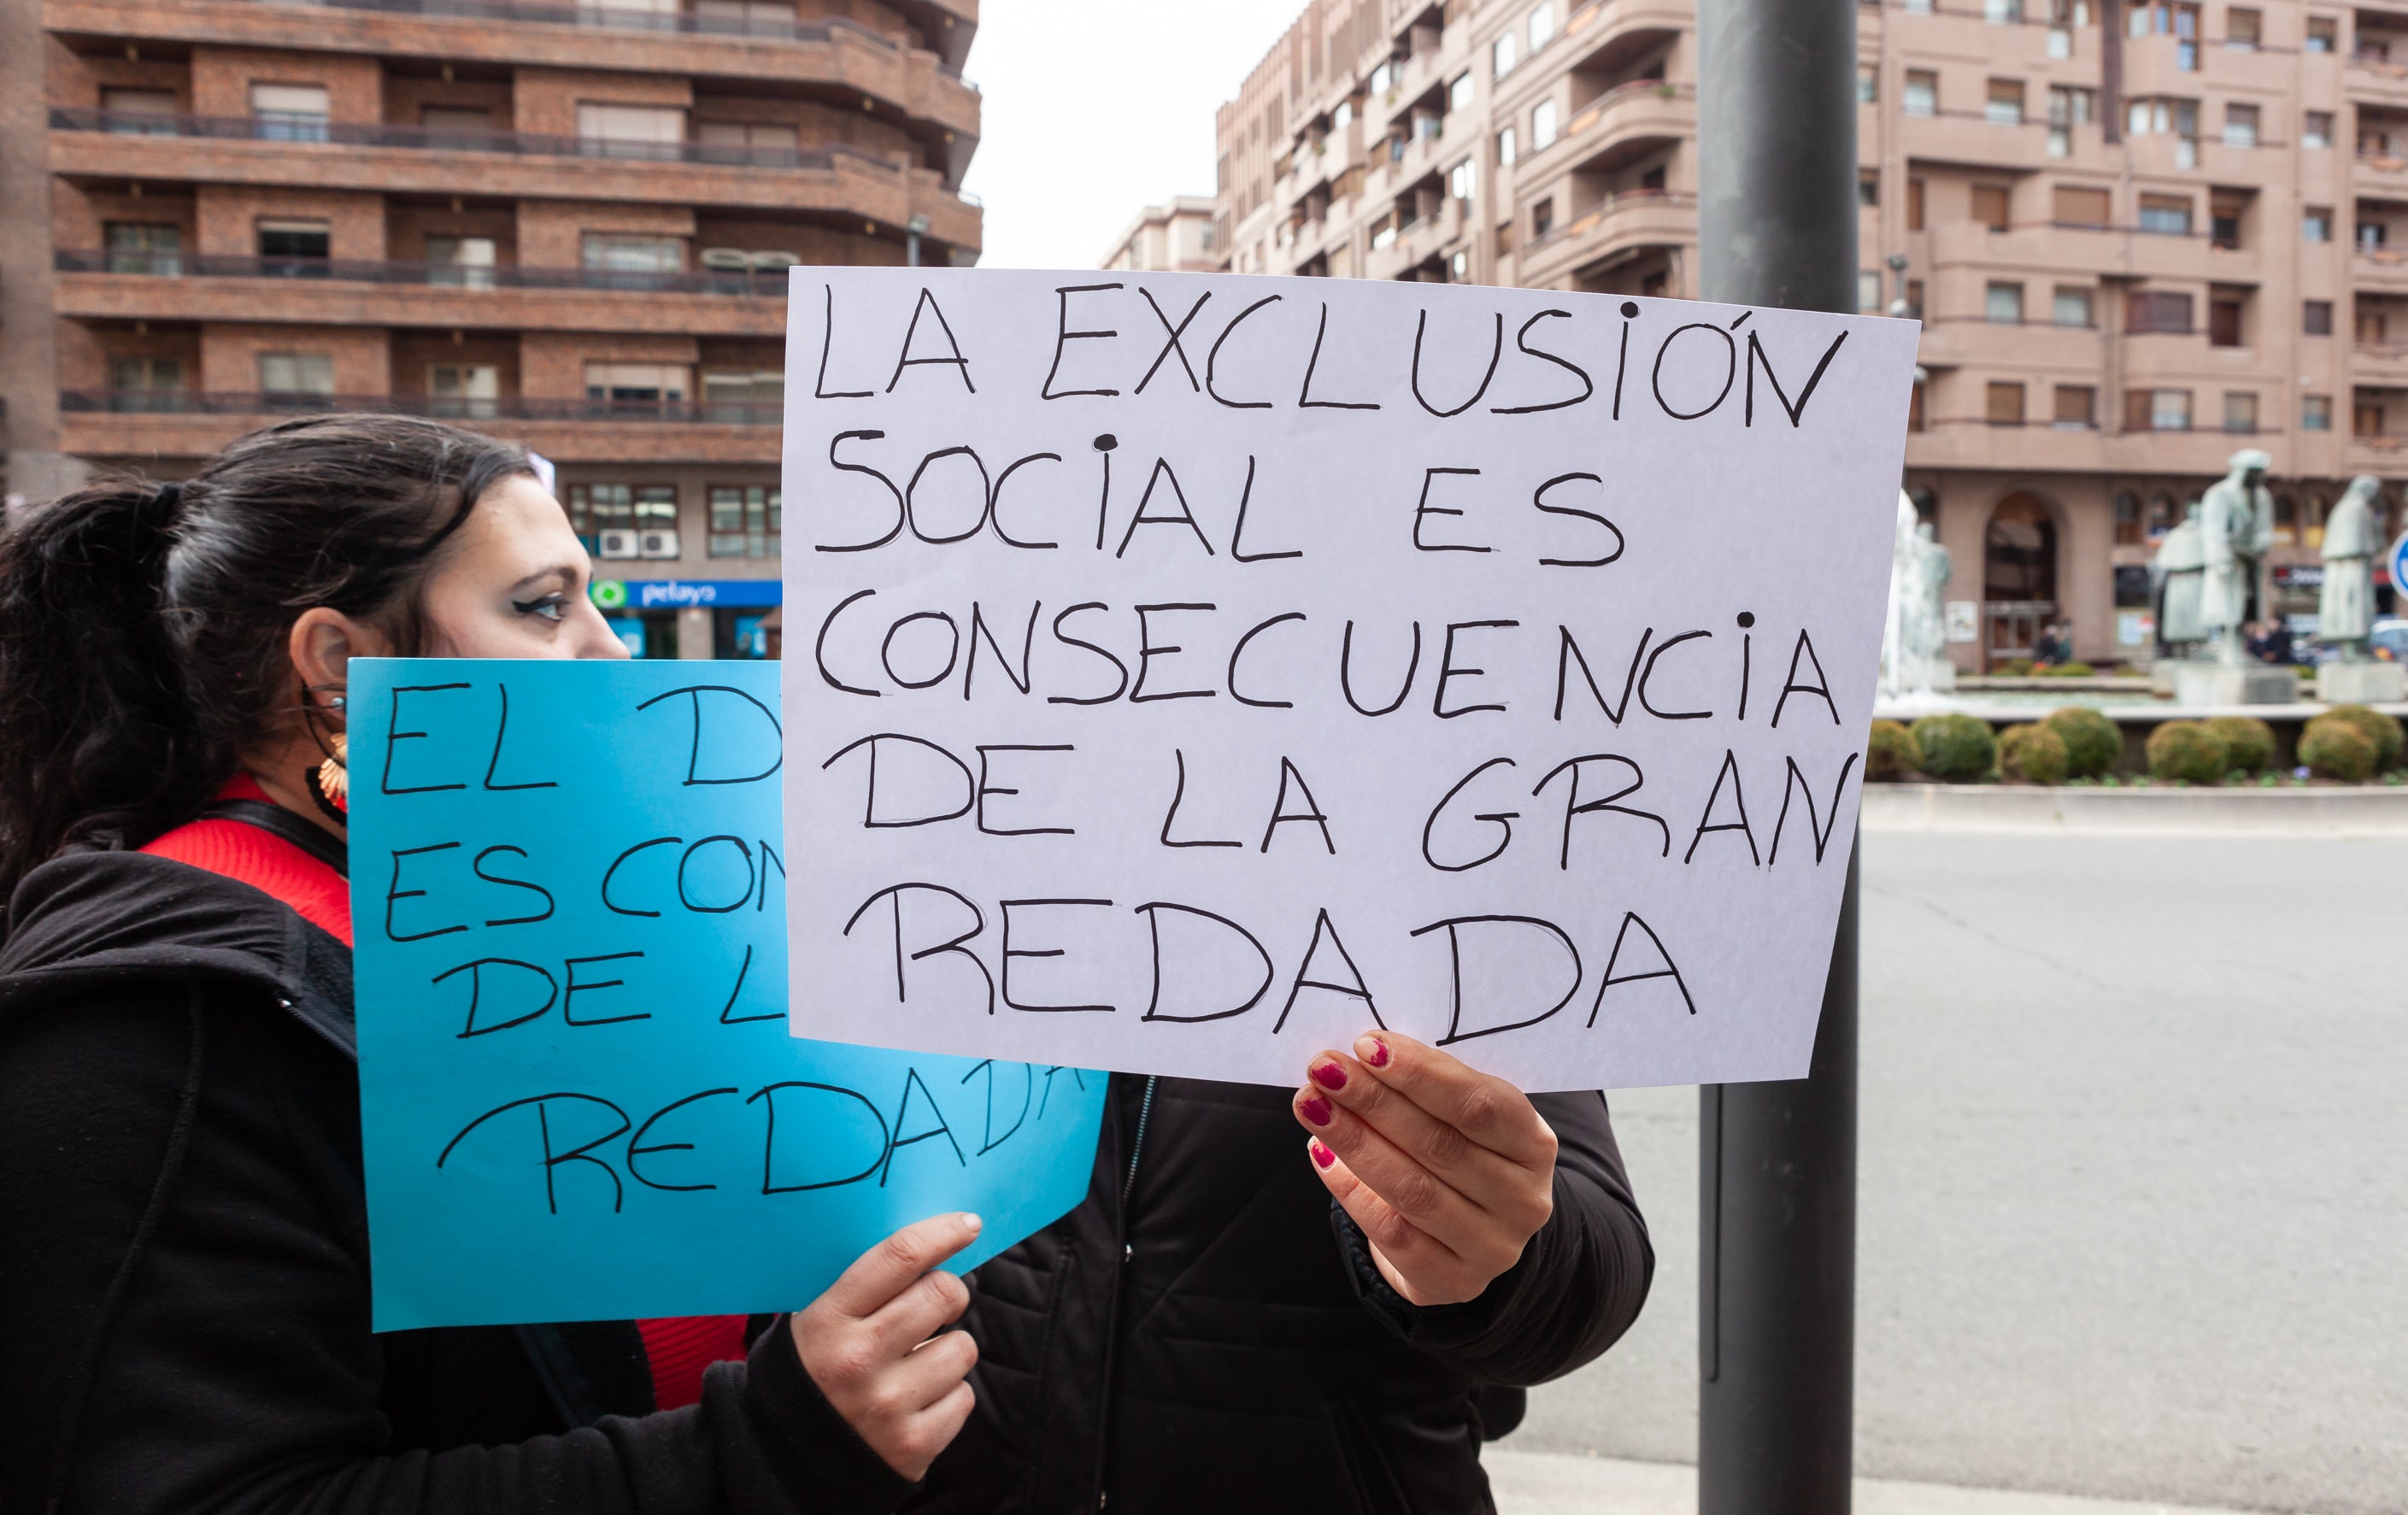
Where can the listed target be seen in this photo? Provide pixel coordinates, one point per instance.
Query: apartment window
(470, 391)
(2003, 106)
(2157, 311)
(145, 383)
(744, 520)
(1869, 290)
(1922, 95)
(1917, 8)
(2127, 519)
(139, 248)
(1914, 205)
(2072, 306)
(2366, 419)
(2224, 319)
(1505, 148)
(139, 112)
(1868, 84)
(2315, 223)
(2003, 304)
(2225, 209)
(609, 131)
(2166, 215)
(2069, 108)
(2243, 28)
(636, 386)
(622, 260)
(743, 395)
(1343, 116)
(1914, 397)
(454, 125)
(290, 112)
(772, 143)
(2157, 411)
(1542, 26)
(2004, 404)
(1458, 94)
(1914, 299)
(297, 248)
(1504, 238)
(297, 373)
(1382, 76)
(2371, 235)
(2316, 317)
(2072, 205)
(1868, 190)
(1542, 126)
(1501, 55)
(2374, 325)
(1990, 202)
(463, 262)
(2002, 12)
(622, 510)
(1460, 180)
(2077, 407)
(2322, 33)
(1543, 219)
(2316, 129)
(2239, 126)
(2240, 410)
(2315, 412)
(770, 17)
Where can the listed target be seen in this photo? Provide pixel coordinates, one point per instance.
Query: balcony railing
(443, 406)
(452, 275)
(1588, 220)
(626, 18)
(445, 139)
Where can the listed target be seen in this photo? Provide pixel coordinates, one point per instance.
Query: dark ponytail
(144, 627)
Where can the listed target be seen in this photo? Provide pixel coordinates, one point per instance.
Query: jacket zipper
(1111, 1328)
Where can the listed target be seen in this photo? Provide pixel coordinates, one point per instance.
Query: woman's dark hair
(144, 627)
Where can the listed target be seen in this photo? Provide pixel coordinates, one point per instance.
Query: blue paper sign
(578, 1096)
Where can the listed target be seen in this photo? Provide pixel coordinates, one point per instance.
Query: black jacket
(1207, 1334)
(183, 1262)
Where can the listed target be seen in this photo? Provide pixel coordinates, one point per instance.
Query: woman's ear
(323, 643)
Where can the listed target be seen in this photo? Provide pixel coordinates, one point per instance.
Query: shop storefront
(692, 618)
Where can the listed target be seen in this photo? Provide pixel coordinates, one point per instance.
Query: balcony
(1973, 138)
(1609, 232)
(2090, 251)
(2375, 79)
(2379, 364)
(195, 424)
(2379, 268)
(229, 150)
(105, 286)
(2379, 173)
(1618, 124)
(835, 52)
(1414, 244)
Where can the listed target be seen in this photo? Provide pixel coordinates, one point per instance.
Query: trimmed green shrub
(2032, 752)
(1890, 753)
(2186, 750)
(2015, 668)
(1956, 747)
(2248, 742)
(2068, 670)
(2092, 742)
(2336, 749)
(2379, 729)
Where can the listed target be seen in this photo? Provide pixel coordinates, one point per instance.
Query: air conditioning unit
(660, 542)
(619, 543)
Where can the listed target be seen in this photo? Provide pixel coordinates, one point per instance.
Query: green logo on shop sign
(608, 594)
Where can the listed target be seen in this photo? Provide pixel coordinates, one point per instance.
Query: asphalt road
(2133, 1221)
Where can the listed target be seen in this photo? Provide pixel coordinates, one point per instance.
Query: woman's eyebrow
(562, 571)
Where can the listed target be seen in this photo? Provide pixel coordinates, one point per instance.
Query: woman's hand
(870, 1344)
(1449, 1172)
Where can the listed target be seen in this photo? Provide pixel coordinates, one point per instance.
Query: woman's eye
(551, 607)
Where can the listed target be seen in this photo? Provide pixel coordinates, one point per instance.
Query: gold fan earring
(335, 774)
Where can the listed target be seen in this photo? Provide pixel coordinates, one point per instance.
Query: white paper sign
(1187, 672)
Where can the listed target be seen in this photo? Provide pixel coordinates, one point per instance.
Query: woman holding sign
(183, 1273)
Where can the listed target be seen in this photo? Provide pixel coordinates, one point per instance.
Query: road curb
(2163, 812)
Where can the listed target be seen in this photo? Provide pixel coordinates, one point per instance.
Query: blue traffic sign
(2398, 561)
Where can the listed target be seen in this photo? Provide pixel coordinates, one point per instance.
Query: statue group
(2211, 567)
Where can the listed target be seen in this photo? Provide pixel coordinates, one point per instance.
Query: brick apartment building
(2141, 234)
(569, 224)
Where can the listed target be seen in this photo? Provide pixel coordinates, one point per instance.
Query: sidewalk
(1551, 1483)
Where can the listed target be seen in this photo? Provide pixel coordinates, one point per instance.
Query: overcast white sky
(1097, 109)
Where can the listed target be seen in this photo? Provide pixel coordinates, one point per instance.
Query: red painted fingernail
(1316, 1110)
(1322, 1156)
(1329, 1075)
(1373, 1051)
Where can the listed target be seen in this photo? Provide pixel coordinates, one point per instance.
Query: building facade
(2139, 233)
(566, 224)
(1178, 237)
